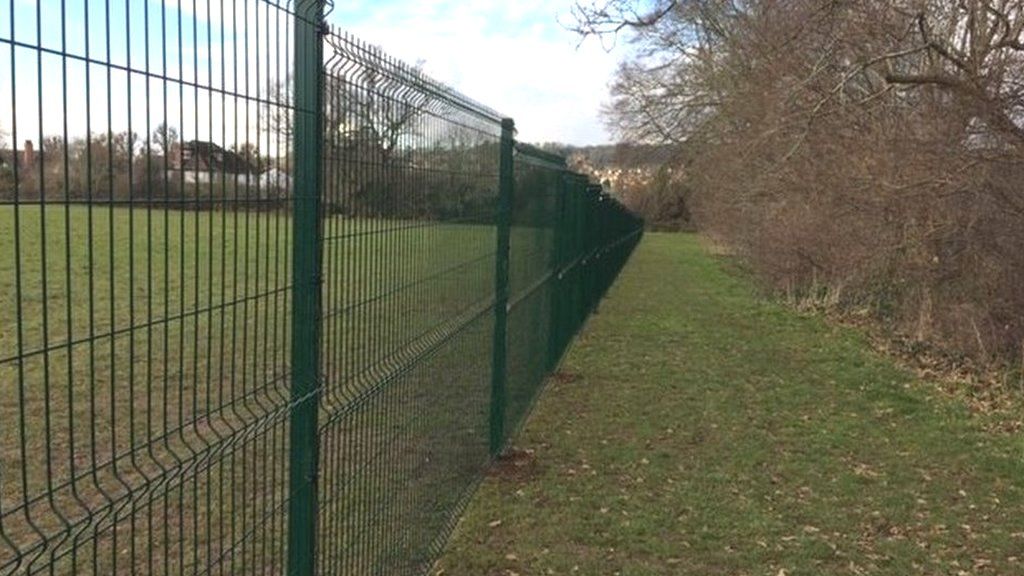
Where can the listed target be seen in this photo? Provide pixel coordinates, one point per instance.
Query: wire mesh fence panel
(270, 300)
(144, 286)
(538, 198)
(411, 183)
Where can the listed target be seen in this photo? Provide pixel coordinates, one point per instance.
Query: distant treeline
(366, 175)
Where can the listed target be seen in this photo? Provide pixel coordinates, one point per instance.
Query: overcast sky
(514, 56)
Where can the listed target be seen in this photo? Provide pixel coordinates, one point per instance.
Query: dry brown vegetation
(867, 154)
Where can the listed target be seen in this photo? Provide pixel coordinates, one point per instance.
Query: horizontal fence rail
(271, 301)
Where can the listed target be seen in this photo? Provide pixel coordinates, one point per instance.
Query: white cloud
(515, 57)
(512, 56)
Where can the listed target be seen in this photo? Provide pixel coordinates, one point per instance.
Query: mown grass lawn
(697, 428)
(144, 383)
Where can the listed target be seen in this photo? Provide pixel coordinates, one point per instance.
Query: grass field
(697, 428)
(144, 400)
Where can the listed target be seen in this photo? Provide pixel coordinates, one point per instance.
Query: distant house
(201, 162)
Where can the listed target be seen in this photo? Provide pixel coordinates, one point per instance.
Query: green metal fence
(270, 300)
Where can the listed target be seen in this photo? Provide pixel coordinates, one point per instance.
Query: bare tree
(359, 99)
(863, 154)
(250, 153)
(277, 120)
(164, 139)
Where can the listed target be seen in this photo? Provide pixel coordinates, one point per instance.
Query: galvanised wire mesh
(270, 300)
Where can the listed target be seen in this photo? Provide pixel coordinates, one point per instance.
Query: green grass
(144, 396)
(698, 428)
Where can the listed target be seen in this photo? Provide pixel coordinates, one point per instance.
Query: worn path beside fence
(698, 429)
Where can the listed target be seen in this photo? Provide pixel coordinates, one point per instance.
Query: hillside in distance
(647, 178)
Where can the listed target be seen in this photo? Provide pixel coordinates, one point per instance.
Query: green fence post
(499, 359)
(305, 384)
